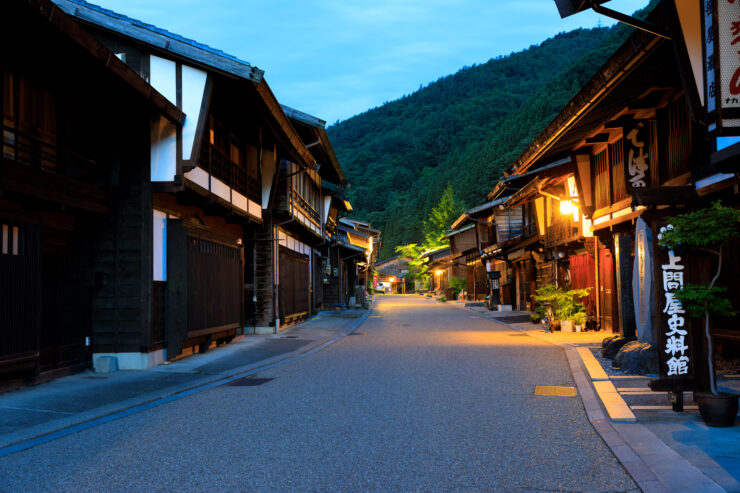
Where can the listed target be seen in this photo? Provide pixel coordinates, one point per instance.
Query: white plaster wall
(135, 361)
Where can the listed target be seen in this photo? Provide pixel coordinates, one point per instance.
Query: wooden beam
(290, 137)
(69, 27)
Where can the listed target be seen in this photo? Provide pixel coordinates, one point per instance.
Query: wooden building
(362, 235)
(393, 270)
(73, 193)
(304, 216)
(207, 188)
(626, 153)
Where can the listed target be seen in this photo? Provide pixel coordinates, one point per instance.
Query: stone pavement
(422, 397)
(662, 449)
(32, 413)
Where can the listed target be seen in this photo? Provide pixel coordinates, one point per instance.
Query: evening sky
(337, 58)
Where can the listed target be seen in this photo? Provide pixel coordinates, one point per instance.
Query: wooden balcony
(218, 174)
(306, 207)
(40, 168)
(220, 166)
(561, 233)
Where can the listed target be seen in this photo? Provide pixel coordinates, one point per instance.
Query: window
(29, 121)
(159, 246)
(11, 242)
(601, 183)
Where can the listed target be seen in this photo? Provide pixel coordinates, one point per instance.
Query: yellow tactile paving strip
(617, 409)
(595, 371)
(556, 390)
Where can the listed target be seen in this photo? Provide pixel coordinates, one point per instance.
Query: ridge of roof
(159, 38)
(626, 57)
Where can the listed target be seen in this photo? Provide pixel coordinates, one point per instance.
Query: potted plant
(706, 230)
(579, 319)
(561, 305)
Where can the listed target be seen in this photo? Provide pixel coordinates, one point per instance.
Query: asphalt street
(422, 397)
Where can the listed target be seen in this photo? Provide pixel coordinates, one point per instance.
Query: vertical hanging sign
(674, 335)
(636, 148)
(721, 29)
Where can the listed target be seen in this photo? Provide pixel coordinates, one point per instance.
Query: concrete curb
(653, 465)
(46, 432)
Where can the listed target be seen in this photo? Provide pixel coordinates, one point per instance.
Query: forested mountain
(463, 129)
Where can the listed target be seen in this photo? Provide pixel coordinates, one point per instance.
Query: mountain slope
(463, 129)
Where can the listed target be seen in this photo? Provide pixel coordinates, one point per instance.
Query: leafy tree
(440, 218)
(418, 265)
(464, 129)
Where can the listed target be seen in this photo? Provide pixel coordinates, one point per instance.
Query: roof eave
(638, 46)
(67, 24)
(129, 28)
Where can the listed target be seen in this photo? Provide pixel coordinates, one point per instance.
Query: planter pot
(578, 328)
(566, 326)
(717, 410)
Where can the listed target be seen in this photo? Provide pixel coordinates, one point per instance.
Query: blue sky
(337, 58)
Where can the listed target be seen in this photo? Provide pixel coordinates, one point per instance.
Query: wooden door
(295, 285)
(214, 286)
(607, 291)
(582, 276)
(20, 285)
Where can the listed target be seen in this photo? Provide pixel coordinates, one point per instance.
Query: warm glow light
(566, 207)
(392, 279)
(438, 272)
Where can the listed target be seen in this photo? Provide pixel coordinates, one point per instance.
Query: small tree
(457, 284)
(561, 304)
(440, 218)
(418, 265)
(706, 230)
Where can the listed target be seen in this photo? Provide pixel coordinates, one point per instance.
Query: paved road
(425, 397)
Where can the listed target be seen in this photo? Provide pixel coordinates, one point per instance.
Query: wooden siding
(675, 139)
(602, 196)
(295, 285)
(583, 275)
(509, 223)
(462, 242)
(616, 165)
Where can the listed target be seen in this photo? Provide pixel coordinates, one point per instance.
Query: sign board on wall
(721, 29)
(636, 154)
(675, 350)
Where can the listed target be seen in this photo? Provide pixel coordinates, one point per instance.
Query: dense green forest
(463, 129)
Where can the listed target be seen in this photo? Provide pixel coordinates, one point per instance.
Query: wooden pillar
(623, 268)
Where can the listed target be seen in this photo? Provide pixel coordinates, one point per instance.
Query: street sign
(721, 33)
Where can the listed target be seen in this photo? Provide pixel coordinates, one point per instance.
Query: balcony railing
(560, 233)
(34, 151)
(306, 207)
(220, 166)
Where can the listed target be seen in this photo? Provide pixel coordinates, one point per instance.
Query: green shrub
(458, 284)
(560, 304)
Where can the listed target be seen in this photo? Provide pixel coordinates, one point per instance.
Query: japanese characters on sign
(675, 340)
(722, 64)
(708, 12)
(636, 145)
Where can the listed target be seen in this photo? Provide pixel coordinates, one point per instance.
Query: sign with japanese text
(675, 354)
(636, 154)
(721, 29)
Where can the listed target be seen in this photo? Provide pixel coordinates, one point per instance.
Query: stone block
(106, 364)
(611, 345)
(637, 358)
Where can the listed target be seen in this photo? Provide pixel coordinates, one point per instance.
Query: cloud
(336, 58)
